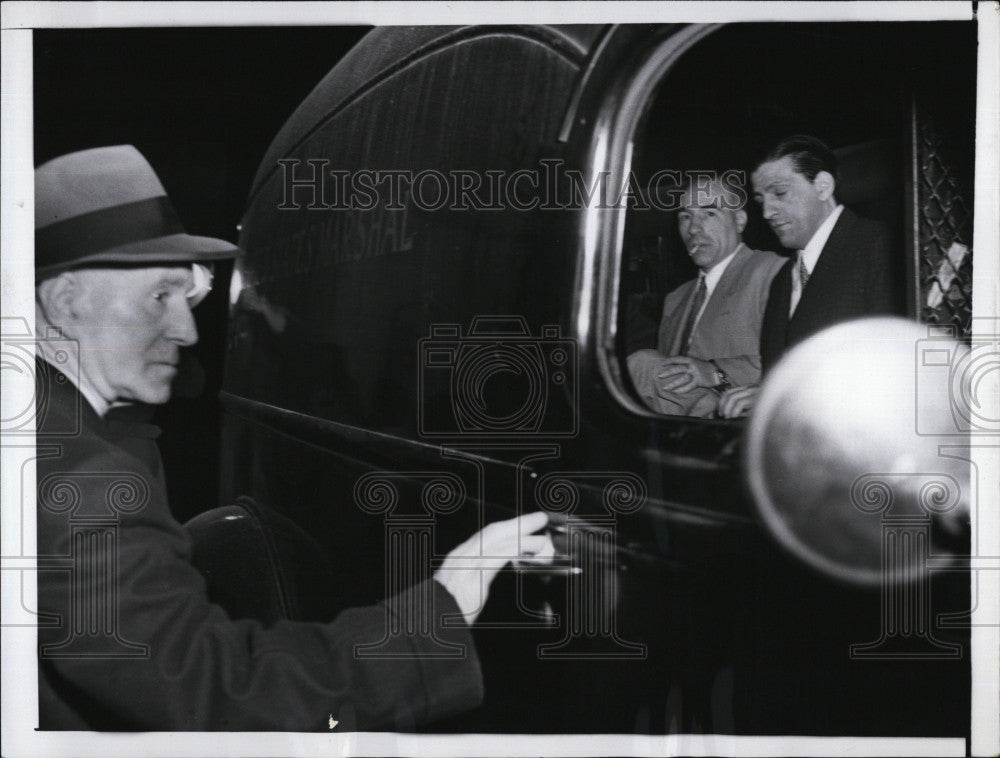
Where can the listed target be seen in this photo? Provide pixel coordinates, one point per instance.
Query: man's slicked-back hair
(809, 156)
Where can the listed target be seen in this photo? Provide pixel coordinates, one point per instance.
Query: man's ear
(741, 220)
(61, 298)
(825, 184)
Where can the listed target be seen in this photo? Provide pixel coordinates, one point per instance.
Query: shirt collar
(98, 403)
(714, 274)
(810, 253)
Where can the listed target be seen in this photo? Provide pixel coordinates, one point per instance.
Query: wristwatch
(722, 382)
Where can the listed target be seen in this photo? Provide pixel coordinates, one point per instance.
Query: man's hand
(682, 373)
(469, 569)
(738, 401)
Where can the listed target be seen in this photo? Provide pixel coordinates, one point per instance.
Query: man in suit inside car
(710, 328)
(132, 641)
(842, 268)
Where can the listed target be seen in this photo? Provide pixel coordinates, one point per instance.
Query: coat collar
(61, 397)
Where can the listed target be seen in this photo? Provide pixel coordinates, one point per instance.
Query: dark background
(202, 105)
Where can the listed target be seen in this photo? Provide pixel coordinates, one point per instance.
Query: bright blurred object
(853, 451)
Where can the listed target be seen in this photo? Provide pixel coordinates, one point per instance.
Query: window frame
(601, 231)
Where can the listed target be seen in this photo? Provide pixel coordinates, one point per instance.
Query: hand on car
(469, 569)
(682, 373)
(738, 401)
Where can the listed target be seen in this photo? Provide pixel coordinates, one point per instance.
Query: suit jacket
(853, 278)
(728, 331)
(132, 642)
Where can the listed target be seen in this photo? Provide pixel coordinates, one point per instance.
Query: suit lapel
(729, 282)
(828, 265)
(678, 325)
(722, 299)
(774, 330)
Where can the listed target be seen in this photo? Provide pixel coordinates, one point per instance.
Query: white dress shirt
(809, 255)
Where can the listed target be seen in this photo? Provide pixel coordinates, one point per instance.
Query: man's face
(131, 325)
(791, 204)
(709, 232)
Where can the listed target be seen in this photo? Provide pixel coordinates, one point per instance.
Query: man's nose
(767, 209)
(695, 225)
(182, 328)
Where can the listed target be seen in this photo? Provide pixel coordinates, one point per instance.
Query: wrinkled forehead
(137, 278)
(713, 192)
(193, 280)
(770, 173)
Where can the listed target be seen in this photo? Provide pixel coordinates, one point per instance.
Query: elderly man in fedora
(128, 637)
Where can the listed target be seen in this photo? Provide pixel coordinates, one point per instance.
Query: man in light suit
(710, 329)
(843, 265)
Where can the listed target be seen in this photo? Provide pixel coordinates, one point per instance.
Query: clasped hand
(738, 401)
(469, 569)
(682, 373)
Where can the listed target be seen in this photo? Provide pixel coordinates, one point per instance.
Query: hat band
(66, 241)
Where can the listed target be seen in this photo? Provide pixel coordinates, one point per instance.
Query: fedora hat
(107, 206)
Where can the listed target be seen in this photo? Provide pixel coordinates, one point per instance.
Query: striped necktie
(800, 278)
(697, 302)
(803, 272)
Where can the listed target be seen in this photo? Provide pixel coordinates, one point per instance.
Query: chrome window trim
(601, 231)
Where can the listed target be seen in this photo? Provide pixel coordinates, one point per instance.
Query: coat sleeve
(741, 369)
(882, 292)
(164, 658)
(745, 368)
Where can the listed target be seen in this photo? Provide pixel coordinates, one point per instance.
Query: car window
(714, 100)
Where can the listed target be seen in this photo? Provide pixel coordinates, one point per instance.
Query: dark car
(428, 332)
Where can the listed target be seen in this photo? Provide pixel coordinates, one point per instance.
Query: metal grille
(945, 236)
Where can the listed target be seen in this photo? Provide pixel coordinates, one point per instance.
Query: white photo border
(19, 666)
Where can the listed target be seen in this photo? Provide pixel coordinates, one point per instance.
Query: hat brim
(174, 248)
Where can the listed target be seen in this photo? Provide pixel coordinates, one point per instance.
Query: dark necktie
(800, 278)
(701, 291)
